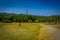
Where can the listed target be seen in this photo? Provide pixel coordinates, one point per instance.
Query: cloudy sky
(34, 7)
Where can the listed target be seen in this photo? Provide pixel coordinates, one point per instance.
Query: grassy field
(12, 31)
(27, 31)
(54, 25)
(57, 26)
(45, 34)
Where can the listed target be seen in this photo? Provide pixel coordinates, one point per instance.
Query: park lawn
(12, 31)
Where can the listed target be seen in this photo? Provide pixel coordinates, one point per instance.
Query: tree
(12, 17)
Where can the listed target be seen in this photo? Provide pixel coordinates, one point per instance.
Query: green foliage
(11, 17)
(29, 20)
(36, 20)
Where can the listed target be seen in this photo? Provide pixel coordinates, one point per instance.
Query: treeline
(12, 17)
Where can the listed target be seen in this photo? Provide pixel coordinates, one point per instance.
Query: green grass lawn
(12, 31)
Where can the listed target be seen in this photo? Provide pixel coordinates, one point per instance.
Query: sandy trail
(54, 31)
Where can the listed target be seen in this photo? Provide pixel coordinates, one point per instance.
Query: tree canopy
(12, 17)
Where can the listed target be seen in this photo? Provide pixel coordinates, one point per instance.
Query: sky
(34, 7)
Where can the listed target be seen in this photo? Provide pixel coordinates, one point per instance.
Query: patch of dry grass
(12, 31)
(53, 25)
(44, 34)
(57, 26)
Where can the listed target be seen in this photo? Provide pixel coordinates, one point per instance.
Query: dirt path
(54, 31)
(44, 34)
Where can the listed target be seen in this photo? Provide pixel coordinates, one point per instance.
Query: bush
(29, 20)
(36, 20)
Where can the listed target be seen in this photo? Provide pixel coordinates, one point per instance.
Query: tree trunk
(19, 24)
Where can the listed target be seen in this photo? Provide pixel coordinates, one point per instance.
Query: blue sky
(34, 7)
